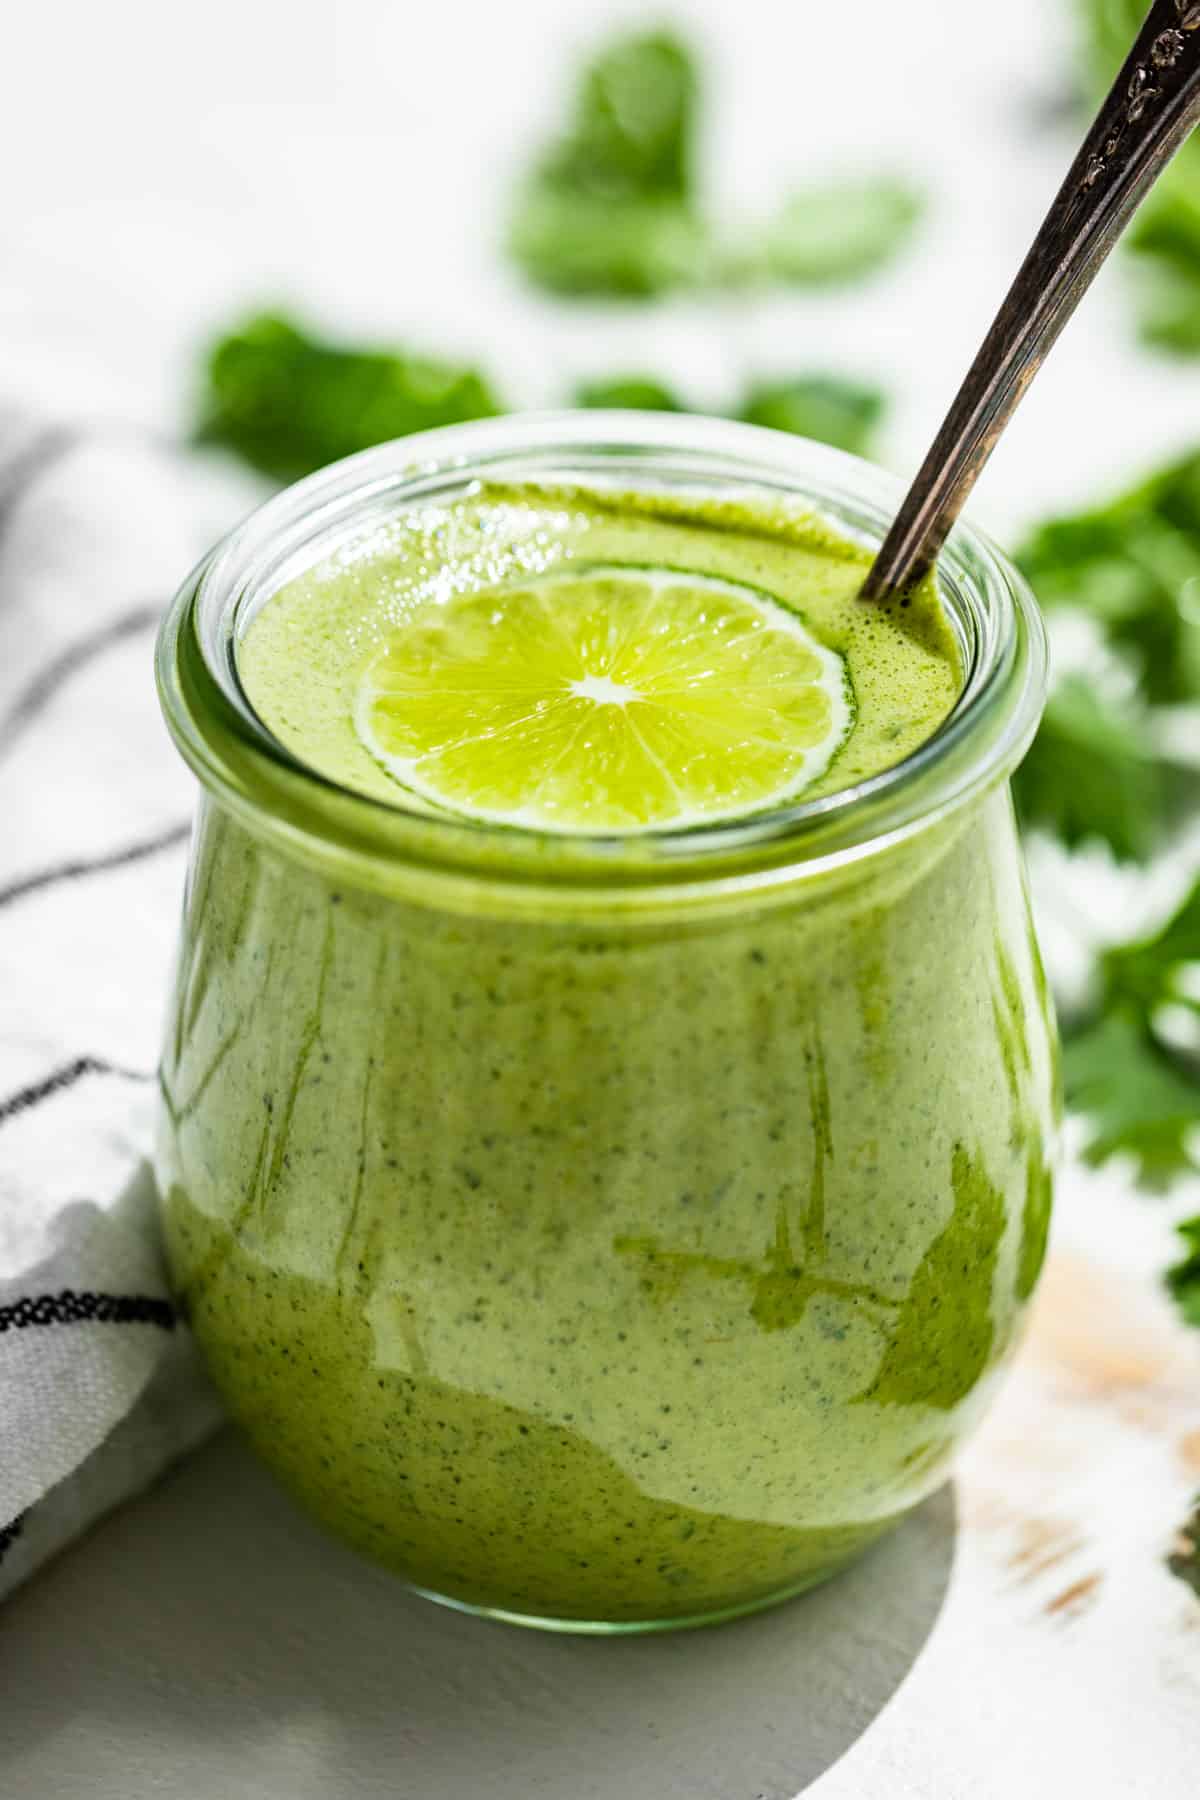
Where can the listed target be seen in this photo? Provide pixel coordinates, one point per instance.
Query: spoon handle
(1153, 105)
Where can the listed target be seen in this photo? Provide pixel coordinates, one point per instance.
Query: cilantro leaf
(1139, 1100)
(633, 393)
(1142, 1095)
(613, 208)
(1134, 565)
(609, 209)
(1183, 1277)
(833, 410)
(841, 231)
(634, 121)
(577, 244)
(826, 407)
(1145, 975)
(288, 402)
(1092, 773)
(1165, 240)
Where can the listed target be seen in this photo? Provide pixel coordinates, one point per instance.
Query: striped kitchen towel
(100, 1387)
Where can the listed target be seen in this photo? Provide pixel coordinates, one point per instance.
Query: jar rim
(246, 767)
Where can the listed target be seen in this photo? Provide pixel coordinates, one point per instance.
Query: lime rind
(605, 699)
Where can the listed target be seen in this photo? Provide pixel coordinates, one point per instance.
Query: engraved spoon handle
(1153, 105)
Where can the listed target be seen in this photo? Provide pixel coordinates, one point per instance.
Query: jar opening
(994, 618)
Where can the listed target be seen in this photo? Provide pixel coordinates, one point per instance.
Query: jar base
(635, 1627)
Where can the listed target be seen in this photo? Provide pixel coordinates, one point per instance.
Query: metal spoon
(1153, 105)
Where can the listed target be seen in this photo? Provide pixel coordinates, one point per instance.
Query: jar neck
(252, 773)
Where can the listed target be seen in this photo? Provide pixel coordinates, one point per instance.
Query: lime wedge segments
(605, 700)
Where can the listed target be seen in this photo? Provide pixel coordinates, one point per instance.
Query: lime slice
(605, 700)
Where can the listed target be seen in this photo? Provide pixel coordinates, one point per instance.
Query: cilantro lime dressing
(627, 1270)
(304, 656)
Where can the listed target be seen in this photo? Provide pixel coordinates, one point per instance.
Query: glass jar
(605, 1235)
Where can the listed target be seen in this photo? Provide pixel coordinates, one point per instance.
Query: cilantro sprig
(1132, 566)
(633, 393)
(610, 207)
(833, 409)
(1138, 1101)
(841, 230)
(1093, 773)
(1137, 1088)
(634, 124)
(1156, 971)
(829, 408)
(288, 402)
(613, 207)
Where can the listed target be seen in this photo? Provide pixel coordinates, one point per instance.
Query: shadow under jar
(609, 1235)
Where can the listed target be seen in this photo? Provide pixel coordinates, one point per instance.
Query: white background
(166, 167)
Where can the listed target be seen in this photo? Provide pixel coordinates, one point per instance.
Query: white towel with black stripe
(100, 1387)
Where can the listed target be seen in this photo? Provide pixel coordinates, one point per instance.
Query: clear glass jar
(605, 1235)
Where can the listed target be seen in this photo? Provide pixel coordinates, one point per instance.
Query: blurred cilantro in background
(841, 231)
(1093, 772)
(612, 208)
(843, 413)
(634, 123)
(632, 393)
(288, 403)
(1124, 1070)
(1098, 772)
(1133, 568)
(1166, 234)
(1134, 565)
(828, 408)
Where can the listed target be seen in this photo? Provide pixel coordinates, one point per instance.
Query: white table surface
(1020, 1636)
